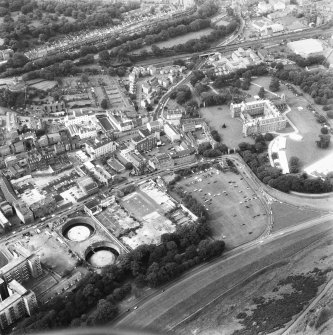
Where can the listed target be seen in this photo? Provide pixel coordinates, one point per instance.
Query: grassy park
(286, 215)
(216, 116)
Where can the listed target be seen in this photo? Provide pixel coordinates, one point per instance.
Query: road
(324, 204)
(183, 299)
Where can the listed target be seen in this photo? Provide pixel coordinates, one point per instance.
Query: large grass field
(179, 39)
(286, 215)
(216, 116)
(236, 215)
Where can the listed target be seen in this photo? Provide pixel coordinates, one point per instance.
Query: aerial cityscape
(166, 166)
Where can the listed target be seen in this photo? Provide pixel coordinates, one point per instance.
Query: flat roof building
(306, 48)
(17, 304)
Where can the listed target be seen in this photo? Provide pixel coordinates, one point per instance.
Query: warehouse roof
(306, 47)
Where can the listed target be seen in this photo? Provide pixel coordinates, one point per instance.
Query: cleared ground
(235, 212)
(149, 213)
(53, 254)
(287, 215)
(232, 135)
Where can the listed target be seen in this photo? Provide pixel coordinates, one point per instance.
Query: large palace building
(258, 117)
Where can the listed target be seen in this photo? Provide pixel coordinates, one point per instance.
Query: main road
(182, 300)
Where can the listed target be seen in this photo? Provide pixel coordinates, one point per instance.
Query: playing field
(45, 85)
(236, 214)
(139, 204)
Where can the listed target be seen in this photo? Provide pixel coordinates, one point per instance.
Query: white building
(3, 220)
(279, 6)
(96, 148)
(81, 131)
(306, 48)
(172, 132)
(264, 7)
(120, 121)
(80, 117)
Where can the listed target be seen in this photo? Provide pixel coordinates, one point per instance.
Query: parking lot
(236, 215)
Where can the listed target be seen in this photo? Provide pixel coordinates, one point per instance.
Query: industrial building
(307, 48)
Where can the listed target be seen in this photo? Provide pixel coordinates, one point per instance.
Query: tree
(261, 92)
(324, 130)
(104, 104)
(85, 78)
(105, 312)
(104, 55)
(268, 137)
(129, 166)
(324, 141)
(274, 85)
(294, 164)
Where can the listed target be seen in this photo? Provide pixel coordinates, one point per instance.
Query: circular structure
(101, 254)
(78, 229)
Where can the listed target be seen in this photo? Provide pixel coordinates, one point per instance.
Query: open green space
(304, 120)
(236, 215)
(179, 39)
(232, 135)
(287, 215)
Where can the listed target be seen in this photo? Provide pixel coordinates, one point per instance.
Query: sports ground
(149, 213)
(139, 204)
(236, 213)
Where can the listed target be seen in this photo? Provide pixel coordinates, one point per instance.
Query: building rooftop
(97, 144)
(307, 46)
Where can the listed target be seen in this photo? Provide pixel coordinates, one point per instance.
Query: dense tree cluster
(213, 99)
(55, 18)
(274, 85)
(233, 79)
(303, 62)
(182, 94)
(205, 149)
(255, 156)
(262, 93)
(294, 164)
(319, 85)
(216, 136)
(179, 251)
